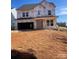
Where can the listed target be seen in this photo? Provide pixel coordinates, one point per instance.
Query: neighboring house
(13, 18)
(36, 16)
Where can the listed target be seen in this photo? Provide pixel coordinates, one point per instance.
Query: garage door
(25, 26)
(39, 24)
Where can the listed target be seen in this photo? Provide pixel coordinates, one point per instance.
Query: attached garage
(26, 26)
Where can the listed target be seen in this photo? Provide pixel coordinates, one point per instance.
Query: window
(38, 12)
(49, 22)
(49, 12)
(26, 14)
(23, 14)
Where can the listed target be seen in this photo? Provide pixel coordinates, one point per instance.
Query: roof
(27, 7)
(52, 4)
(31, 6)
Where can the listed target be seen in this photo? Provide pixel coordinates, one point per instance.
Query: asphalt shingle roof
(29, 6)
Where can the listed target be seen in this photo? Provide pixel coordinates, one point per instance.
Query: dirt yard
(45, 44)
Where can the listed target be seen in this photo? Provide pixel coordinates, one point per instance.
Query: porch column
(54, 22)
(34, 24)
(44, 24)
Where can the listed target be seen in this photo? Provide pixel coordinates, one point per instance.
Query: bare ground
(45, 44)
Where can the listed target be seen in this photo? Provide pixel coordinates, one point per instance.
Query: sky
(61, 7)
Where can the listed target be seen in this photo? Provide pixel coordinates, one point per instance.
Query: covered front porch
(46, 22)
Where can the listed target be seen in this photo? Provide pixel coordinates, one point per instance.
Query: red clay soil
(45, 44)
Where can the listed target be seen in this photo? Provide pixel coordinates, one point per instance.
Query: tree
(62, 24)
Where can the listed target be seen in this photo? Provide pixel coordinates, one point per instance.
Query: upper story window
(23, 14)
(49, 12)
(26, 14)
(38, 12)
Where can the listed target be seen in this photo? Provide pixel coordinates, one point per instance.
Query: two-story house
(36, 16)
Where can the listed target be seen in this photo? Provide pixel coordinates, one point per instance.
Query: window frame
(49, 12)
(51, 21)
(23, 14)
(27, 14)
(48, 22)
(39, 12)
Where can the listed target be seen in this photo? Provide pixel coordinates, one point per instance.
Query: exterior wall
(43, 8)
(31, 13)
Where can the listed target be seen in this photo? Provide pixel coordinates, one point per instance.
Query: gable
(39, 7)
(48, 5)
